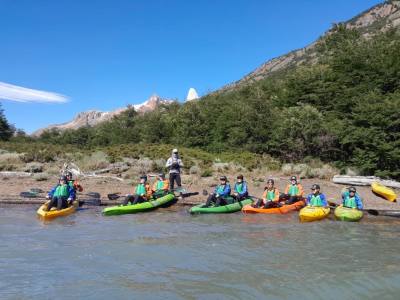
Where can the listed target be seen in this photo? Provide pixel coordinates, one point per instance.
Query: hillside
(378, 18)
(94, 117)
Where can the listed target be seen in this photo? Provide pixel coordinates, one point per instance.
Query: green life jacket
(293, 190)
(239, 187)
(220, 189)
(315, 200)
(61, 191)
(160, 185)
(140, 189)
(350, 202)
(270, 195)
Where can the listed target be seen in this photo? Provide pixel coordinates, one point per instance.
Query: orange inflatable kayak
(284, 209)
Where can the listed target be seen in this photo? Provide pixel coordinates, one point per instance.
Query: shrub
(41, 176)
(34, 167)
(207, 173)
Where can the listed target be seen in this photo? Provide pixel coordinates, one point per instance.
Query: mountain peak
(192, 95)
(94, 117)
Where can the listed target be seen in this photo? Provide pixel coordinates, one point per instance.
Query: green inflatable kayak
(229, 208)
(348, 214)
(136, 208)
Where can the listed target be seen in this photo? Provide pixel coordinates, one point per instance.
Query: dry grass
(97, 160)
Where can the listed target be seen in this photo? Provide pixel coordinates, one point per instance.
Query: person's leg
(293, 199)
(61, 203)
(178, 180)
(139, 199)
(52, 203)
(210, 199)
(128, 198)
(258, 203)
(171, 181)
(271, 204)
(221, 201)
(283, 197)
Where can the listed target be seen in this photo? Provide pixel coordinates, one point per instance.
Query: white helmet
(175, 151)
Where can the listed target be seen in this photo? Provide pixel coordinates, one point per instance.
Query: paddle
(115, 196)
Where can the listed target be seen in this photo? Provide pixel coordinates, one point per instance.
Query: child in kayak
(142, 192)
(352, 199)
(160, 187)
(240, 191)
(221, 193)
(316, 198)
(60, 195)
(294, 191)
(73, 183)
(270, 197)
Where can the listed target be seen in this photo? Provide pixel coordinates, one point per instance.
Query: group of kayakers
(64, 193)
(272, 198)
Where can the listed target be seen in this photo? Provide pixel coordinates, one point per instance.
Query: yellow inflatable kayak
(383, 191)
(313, 213)
(54, 213)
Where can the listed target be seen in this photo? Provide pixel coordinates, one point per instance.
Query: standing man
(174, 165)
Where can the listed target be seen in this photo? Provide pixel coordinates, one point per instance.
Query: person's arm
(287, 189)
(308, 199)
(301, 190)
(51, 193)
(359, 202)
(169, 163)
(71, 192)
(78, 187)
(276, 195)
(154, 188)
(264, 195)
(227, 190)
(244, 190)
(148, 191)
(166, 185)
(180, 163)
(323, 200)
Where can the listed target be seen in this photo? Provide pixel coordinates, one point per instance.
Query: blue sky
(107, 54)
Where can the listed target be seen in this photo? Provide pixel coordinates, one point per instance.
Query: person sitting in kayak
(240, 191)
(60, 195)
(160, 187)
(352, 199)
(294, 192)
(73, 183)
(270, 197)
(316, 198)
(221, 193)
(142, 192)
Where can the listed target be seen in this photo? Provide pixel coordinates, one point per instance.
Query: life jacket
(293, 190)
(61, 191)
(316, 200)
(161, 185)
(239, 187)
(350, 202)
(221, 188)
(270, 195)
(143, 188)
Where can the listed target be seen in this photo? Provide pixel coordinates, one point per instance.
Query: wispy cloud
(21, 94)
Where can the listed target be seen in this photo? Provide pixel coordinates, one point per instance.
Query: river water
(169, 254)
